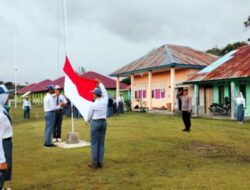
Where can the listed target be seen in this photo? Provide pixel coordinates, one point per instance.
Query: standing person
(6, 134)
(186, 108)
(114, 105)
(50, 115)
(26, 108)
(60, 99)
(110, 106)
(241, 106)
(97, 118)
(120, 104)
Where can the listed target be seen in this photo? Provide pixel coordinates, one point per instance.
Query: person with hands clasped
(97, 119)
(6, 134)
(186, 108)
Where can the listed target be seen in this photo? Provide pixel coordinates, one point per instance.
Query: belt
(7, 139)
(51, 111)
(99, 119)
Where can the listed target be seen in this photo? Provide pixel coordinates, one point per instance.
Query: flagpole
(15, 65)
(67, 54)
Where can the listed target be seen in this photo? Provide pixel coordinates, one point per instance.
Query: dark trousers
(26, 114)
(120, 107)
(240, 113)
(5, 175)
(186, 119)
(110, 111)
(97, 133)
(58, 124)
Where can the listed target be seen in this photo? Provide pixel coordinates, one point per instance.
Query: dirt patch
(217, 151)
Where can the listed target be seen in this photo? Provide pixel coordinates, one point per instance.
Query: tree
(247, 22)
(81, 71)
(215, 51)
(229, 47)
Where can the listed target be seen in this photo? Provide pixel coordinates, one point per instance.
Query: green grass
(143, 151)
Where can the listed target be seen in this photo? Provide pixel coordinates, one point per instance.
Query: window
(140, 94)
(158, 93)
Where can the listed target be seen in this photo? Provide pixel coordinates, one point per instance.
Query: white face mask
(3, 98)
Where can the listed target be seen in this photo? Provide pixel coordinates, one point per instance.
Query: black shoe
(92, 165)
(184, 130)
(99, 165)
(49, 146)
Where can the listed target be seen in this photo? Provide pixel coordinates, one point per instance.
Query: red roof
(59, 81)
(167, 56)
(41, 86)
(108, 82)
(238, 66)
(26, 88)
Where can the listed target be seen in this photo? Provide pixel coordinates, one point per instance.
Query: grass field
(143, 151)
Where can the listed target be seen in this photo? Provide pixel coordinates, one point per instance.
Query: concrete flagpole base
(73, 138)
(72, 141)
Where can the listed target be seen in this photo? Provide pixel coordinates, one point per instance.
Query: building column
(149, 90)
(196, 99)
(232, 98)
(172, 89)
(132, 96)
(117, 89)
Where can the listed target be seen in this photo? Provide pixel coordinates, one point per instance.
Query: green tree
(247, 22)
(229, 47)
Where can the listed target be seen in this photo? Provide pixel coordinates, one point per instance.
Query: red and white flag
(78, 89)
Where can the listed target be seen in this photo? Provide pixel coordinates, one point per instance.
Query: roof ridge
(169, 53)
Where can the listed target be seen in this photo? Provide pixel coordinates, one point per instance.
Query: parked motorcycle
(218, 109)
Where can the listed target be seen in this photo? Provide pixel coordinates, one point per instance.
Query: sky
(104, 35)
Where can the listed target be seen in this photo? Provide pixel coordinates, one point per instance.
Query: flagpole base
(73, 138)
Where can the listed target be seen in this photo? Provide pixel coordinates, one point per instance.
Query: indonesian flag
(78, 89)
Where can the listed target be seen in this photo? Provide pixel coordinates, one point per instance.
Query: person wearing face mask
(6, 134)
(241, 106)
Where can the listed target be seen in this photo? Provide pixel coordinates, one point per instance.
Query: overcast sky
(105, 35)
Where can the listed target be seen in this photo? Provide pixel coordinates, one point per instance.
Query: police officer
(6, 138)
(97, 119)
(60, 99)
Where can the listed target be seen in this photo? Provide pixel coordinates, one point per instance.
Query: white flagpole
(67, 53)
(15, 65)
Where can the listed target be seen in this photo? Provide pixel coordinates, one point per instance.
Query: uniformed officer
(6, 138)
(58, 114)
(49, 108)
(97, 118)
(186, 107)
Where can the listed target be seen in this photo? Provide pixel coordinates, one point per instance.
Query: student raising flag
(78, 89)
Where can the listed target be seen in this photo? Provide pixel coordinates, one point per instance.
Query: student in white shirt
(59, 114)
(97, 118)
(49, 108)
(26, 108)
(6, 138)
(241, 106)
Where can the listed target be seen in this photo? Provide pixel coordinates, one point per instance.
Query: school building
(157, 76)
(225, 78)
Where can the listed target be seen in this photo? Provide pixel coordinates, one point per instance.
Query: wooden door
(208, 99)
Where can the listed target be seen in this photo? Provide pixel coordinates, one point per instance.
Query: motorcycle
(218, 109)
